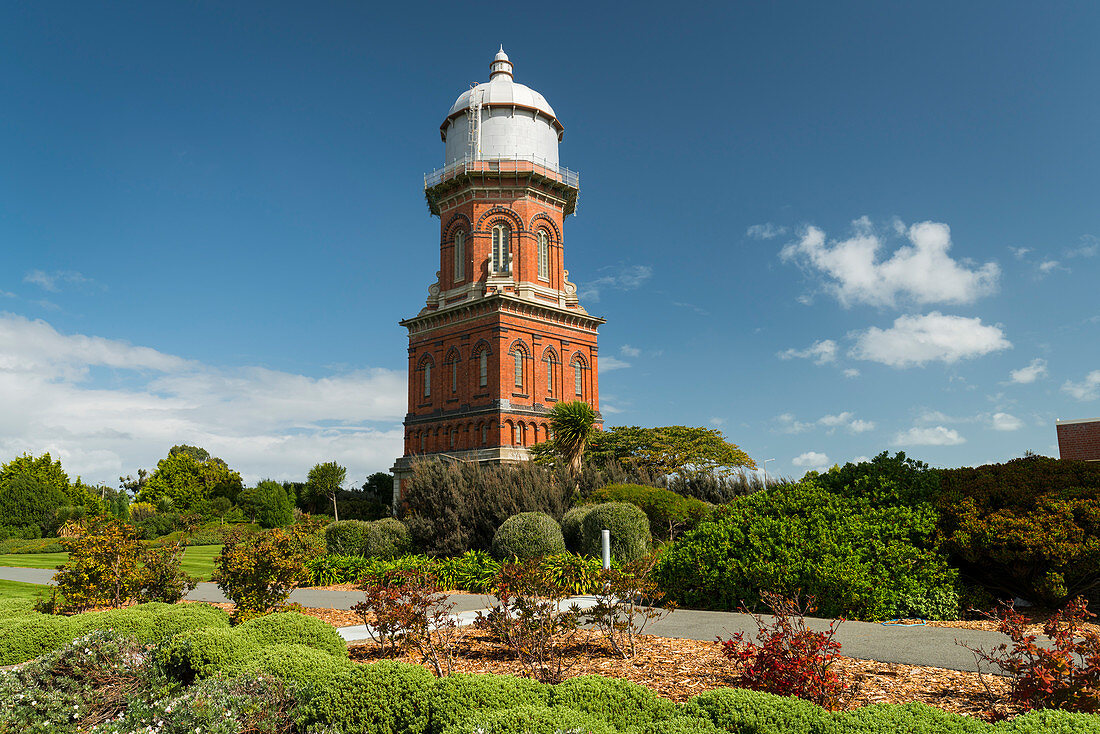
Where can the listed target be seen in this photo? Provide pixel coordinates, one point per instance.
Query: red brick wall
(1080, 441)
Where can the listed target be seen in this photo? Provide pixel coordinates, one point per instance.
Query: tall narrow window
(578, 378)
(502, 260)
(544, 255)
(427, 379)
(483, 368)
(518, 441)
(518, 356)
(454, 376)
(485, 433)
(454, 434)
(423, 438)
(549, 374)
(460, 256)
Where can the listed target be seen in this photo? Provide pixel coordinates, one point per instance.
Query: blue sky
(828, 229)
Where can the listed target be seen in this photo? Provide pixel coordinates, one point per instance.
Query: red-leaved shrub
(787, 658)
(1065, 676)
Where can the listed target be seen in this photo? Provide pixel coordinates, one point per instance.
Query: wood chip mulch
(1035, 628)
(680, 669)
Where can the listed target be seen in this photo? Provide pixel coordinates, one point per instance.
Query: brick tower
(503, 336)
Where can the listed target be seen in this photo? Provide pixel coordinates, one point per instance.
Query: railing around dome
(516, 164)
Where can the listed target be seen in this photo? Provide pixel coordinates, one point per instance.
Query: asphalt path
(937, 647)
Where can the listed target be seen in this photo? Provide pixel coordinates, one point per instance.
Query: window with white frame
(501, 254)
(549, 373)
(460, 256)
(483, 368)
(544, 255)
(578, 378)
(517, 356)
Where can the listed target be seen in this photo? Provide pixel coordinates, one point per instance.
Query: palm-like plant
(571, 423)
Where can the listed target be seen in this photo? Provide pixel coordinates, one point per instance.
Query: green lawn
(198, 560)
(17, 590)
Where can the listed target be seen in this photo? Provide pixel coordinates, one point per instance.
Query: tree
(571, 423)
(326, 480)
(32, 489)
(267, 503)
(186, 480)
(669, 450)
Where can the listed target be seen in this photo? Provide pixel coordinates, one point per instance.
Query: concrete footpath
(928, 646)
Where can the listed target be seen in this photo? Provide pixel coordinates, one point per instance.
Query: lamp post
(765, 465)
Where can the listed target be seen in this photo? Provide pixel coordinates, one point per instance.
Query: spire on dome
(500, 65)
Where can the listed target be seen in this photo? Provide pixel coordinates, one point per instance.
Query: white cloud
(921, 272)
(788, 423)
(609, 363)
(263, 422)
(851, 372)
(1047, 266)
(929, 436)
(7, 294)
(861, 426)
(821, 352)
(766, 231)
(811, 460)
(51, 281)
(717, 422)
(934, 337)
(1006, 422)
(1089, 248)
(628, 351)
(832, 421)
(1031, 373)
(1086, 389)
(622, 278)
(1020, 252)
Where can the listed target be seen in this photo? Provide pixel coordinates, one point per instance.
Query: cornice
(500, 302)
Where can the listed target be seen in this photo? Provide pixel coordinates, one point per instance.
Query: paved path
(928, 646)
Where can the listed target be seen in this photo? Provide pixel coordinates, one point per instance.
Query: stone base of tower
(402, 468)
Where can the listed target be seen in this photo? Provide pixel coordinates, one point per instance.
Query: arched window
(544, 255)
(551, 361)
(509, 432)
(519, 435)
(484, 433)
(454, 437)
(426, 376)
(502, 256)
(453, 360)
(460, 256)
(519, 353)
(578, 375)
(423, 439)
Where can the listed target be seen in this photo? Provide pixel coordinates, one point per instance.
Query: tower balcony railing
(512, 164)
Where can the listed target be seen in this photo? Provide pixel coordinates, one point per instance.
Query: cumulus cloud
(788, 423)
(1026, 375)
(929, 436)
(811, 460)
(920, 272)
(107, 407)
(621, 278)
(609, 363)
(1086, 389)
(821, 352)
(1006, 422)
(934, 337)
(766, 231)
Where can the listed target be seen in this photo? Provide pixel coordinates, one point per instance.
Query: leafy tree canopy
(185, 480)
(27, 501)
(325, 481)
(668, 450)
(43, 469)
(267, 503)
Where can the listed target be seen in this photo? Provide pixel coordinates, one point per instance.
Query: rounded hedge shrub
(201, 653)
(531, 720)
(292, 628)
(26, 637)
(306, 666)
(737, 709)
(907, 717)
(629, 531)
(668, 512)
(572, 527)
(386, 538)
(381, 697)
(345, 537)
(618, 702)
(456, 696)
(528, 535)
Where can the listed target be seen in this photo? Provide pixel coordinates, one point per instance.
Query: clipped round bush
(572, 527)
(528, 535)
(172, 619)
(669, 513)
(531, 720)
(201, 653)
(306, 666)
(629, 531)
(737, 709)
(292, 628)
(345, 537)
(618, 702)
(386, 538)
(678, 725)
(456, 696)
(382, 697)
(26, 637)
(908, 717)
(136, 622)
(1050, 721)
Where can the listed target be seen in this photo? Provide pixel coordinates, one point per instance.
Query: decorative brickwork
(1079, 439)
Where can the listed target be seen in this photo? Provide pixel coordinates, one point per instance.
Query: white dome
(515, 121)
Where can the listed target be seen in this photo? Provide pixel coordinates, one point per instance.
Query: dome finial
(500, 65)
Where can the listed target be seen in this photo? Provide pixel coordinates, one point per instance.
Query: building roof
(502, 91)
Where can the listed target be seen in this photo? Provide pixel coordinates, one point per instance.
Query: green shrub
(345, 537)
(531, 720)
(679, 725)
(306, 666)
(386, 538)
(669, 513)
(26, 637)
(292, 628)
(528, 535)
(1048, 721)
(454, 697)
(739, 710)
(572, 527)
(201, 653)
(172, 619)
(618, 702)
(386, 697)
(629, 531)
(257, 571)
(910, 717)
(864, 549)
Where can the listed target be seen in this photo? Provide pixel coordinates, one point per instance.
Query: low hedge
(528, 535)
(669, 513)
(629, 526)
(383, 697)
(531, 720)
(613, 700)
(292, 628)
(305, 666)
(453, 697)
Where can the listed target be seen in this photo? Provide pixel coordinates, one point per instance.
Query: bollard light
(605, 542)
